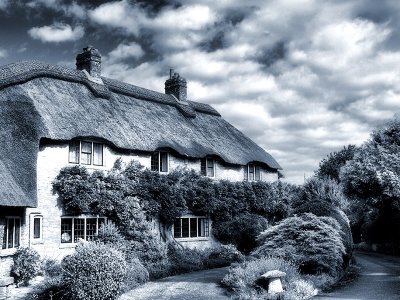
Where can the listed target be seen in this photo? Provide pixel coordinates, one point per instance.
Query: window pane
(90, 229)
(10, 233)
(203, 167)
(177, 228)
(164, 161)
(79, 229)
(251, 172)
(258, 173)
(154, 161)
(86, 158)
(206, 227)
(36, 228)
(74, 152)
(66, 230)
(185, 227)
(17, 226)
(193, 227)
(210, 167)
(97, 154)
(4, 244)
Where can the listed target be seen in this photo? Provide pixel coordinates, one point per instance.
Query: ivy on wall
(122, 191)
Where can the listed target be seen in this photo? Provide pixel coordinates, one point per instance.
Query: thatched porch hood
(46, 101)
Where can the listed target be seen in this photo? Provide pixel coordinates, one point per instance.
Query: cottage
(52, 117)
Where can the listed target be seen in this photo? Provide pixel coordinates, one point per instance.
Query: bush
(242, 231)
(241, 279)
(26, 265)
(312, 243)
(184, 260)
(94, 271)
(300, 290)
(136, 274)
(223, 256)
(51, 268)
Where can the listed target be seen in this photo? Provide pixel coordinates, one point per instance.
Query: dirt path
(379, 280)
(202, 285)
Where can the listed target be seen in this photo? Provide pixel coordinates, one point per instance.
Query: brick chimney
(89, 60)
(176, 85)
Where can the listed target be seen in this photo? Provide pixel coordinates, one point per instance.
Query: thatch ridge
(21, 72)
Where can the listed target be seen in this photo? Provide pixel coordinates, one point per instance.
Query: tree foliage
(330, 166)
(372, 180)
(313, 243)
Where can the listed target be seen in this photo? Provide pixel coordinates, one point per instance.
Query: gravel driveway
(202, 285)
(379, 280)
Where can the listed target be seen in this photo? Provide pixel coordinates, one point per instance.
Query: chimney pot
(89, 60)
(176, 85)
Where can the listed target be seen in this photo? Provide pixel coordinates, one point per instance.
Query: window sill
(67, 245)
(7, 252)
(37, 242)
(198, 239)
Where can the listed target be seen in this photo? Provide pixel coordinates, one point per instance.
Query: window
(253, 173)
(159, 161)
(208, 167)
(86, 228)
(85, 153)
(12, 232)
(37, 227)
(193, 227)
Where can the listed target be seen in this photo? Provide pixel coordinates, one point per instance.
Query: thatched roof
(43, 101)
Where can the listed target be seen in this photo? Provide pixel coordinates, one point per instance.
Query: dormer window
(86, 153)
(159, 161)
(253, 172)
(208, 167)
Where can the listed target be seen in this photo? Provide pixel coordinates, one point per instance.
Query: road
(202, 285)
(379, 280)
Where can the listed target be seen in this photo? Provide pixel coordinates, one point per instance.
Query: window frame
(202, 223)
(255, 169)
(204, 166)
(40, 218)
(79, 153)
(157, 166)
(85, 228)
(5, 242)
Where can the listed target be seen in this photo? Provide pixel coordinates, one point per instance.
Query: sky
(302, 78)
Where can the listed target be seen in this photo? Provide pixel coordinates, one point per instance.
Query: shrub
(136, 274)
(223, 256)
(26, 265)
(94, 271)
(312, 243)
(241, 279)
(300, 289)
(184, 260)
(242, 231)
(51, 268)
(50, 288)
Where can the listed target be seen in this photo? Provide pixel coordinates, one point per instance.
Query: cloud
(4, 4)
(301, 78)
(3, 53)
(121, 15)
(124, 51)
(56, 33)
(72, 9)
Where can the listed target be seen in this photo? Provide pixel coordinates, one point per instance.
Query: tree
(372, 180)
(330, 166)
